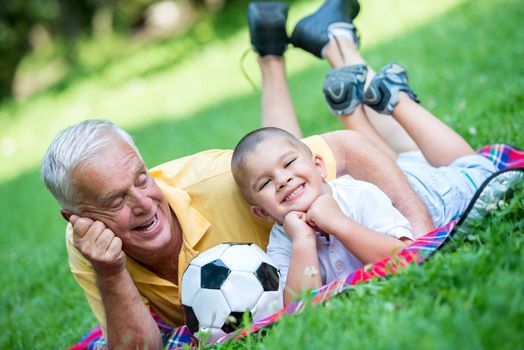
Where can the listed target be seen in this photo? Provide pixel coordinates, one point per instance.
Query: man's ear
(320, 165)
(261, 213)
(66, 214)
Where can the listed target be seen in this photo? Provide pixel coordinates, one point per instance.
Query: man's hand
(129, 323)
(296, 227)
(325, 214)
(99, 245)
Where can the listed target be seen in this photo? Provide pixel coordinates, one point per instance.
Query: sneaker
(344, 88)
(384, 90)
(311, 33)
(267, 27)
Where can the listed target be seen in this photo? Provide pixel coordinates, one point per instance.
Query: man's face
(282, 178)
(116, 189)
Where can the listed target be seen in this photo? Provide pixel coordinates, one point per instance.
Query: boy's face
(281, 177)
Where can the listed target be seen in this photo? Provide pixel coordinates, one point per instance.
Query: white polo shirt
(360, 201)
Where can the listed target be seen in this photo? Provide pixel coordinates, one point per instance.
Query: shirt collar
(193, 224)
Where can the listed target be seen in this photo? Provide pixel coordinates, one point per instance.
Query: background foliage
(66, 22)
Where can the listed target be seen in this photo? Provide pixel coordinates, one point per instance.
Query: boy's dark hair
(249, 142)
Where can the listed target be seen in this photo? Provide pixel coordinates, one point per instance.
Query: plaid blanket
(503, 156)
(174, 338)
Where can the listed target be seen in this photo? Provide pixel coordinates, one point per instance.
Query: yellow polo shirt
(203, 195)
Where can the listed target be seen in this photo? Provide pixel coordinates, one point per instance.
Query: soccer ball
(223, 282)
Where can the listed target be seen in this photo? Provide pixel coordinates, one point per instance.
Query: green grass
(467, 296)
(184, 95)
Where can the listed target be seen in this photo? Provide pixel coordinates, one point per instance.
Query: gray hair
(72, 146)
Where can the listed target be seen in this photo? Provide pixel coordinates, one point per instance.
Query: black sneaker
(383, 93)
(344, 88)
(311, 32)
(267, 27)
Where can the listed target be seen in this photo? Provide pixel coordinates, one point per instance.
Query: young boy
(317, 223)
(325, 230)
(335, 228)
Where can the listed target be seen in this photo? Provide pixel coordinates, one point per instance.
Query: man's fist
(99, 245)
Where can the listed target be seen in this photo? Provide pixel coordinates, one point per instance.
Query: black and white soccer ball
(223, 282)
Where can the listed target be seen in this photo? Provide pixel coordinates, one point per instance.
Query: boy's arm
(304, 269)
(366, 244)
(357, 156)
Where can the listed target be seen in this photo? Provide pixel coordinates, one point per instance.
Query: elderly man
(133, 231)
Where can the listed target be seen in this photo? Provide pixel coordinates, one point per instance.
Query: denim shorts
(446, 191)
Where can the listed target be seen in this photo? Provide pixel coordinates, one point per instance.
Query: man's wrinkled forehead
(109, 193)
(108, 172)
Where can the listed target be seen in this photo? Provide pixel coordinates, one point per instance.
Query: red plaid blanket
(503, 156)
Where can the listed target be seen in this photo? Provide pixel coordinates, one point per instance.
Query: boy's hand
(296, 227)
(325, 214)
(99, 245)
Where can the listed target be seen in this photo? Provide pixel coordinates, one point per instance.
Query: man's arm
(358, 157)
(129, 322)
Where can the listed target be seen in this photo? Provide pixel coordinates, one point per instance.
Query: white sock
(340, 29)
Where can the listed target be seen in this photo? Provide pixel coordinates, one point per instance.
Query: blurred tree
(63, 19)
(67, 20)
(16, 20)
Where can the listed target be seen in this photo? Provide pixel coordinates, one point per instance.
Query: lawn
(187, 94)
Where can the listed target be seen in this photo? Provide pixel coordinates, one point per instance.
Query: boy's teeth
(294, 192)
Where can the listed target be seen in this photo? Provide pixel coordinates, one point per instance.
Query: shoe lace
(339, 48)
(244, 71)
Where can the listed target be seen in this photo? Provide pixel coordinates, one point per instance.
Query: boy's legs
(313, 34)
(267, 31)
(439, 144)
(267, 28)
(446, 191)
(277, 107)
(342, 51)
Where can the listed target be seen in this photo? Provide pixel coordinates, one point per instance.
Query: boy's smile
(281, 177)
(294, 193)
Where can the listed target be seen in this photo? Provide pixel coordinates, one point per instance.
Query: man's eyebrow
(118, 193)
(140, 167)
(110, 196)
